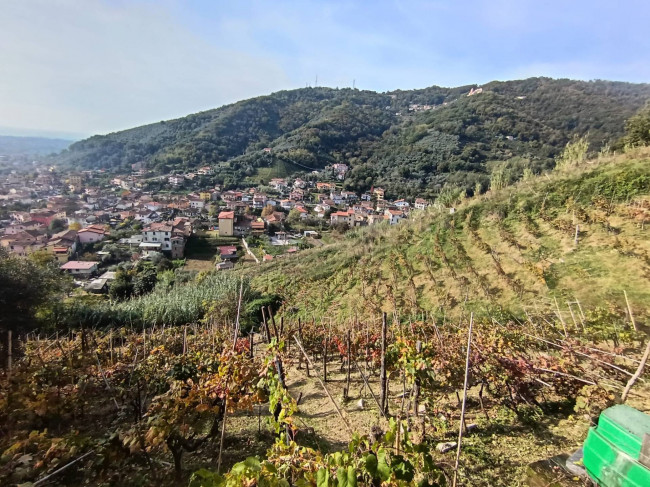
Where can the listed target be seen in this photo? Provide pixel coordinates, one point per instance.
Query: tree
(268, 210)
(574, 154)
(144, 281)
(57, 225)
(26, 286)
(294, 217)
(637, 128)
(74, 226)
(122, 285)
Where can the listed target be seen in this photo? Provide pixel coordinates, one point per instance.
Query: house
(225, 265)
(357, 220)
(286, 204)
(228, 252)
(402, 204)
(20, 246)
(379, 193)
(340, 170)
(97, 286)
(340, 217)
(91, 234)
(366, 197)
(374, 219)
(63, 244)
(175, 180)
(157, 233)
(257, 227)
(46, 216)
(197, 203)
(276, 217)
(421, 204)
(381, 205)
(80, 268)
(393, 216)
(178, 246)
(226, 223)
(303, 212)
(278, 184)
(325, 186)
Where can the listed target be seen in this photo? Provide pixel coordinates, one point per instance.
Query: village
(91, 222)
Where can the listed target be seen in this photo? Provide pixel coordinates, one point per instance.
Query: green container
(613, 451)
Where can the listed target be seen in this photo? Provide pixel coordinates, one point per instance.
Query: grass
(373, 270)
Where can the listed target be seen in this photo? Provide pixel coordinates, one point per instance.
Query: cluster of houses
(70, 212)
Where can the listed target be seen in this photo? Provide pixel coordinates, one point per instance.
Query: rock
(575, 466)
(445, 447)
(442, 418)
(471, 427)
(422, 408)
(361, 404)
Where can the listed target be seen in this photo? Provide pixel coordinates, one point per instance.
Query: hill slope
(455, 137)
(508, 252)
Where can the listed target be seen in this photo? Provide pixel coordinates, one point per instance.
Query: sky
(73, 68)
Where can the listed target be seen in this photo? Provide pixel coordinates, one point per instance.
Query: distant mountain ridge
(413, 141)
(15, 145)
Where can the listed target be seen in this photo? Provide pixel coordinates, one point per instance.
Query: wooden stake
(575, 323)
(266, 326)
(368, 386)
(637, 374)
(241, 290)
(345, 422)
(629, 310)
(9, 349)
(347, 382)
(416, 384)
(462, 412)
(223, 432)
(559, 315)
(383, 395)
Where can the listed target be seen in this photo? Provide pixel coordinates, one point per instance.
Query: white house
(158, 233)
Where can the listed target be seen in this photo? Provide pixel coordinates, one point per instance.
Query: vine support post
(559, 315)
(383, 396)
(573, 317)
(637, 374)
(9, 349)
(184, 339)
(346, 391)
(267, 331)
(629, 310)
(462, 411)
(416, 384)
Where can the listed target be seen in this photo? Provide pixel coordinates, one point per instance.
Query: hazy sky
(91, 66)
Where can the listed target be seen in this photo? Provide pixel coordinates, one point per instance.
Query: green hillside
(509, 252)
(458, 139)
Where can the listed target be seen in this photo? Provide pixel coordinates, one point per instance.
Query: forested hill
(411, 142)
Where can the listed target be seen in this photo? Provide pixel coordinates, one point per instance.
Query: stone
(445, 447)
(361, 404)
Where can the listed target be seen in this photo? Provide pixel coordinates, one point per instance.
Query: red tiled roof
(227, 215)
